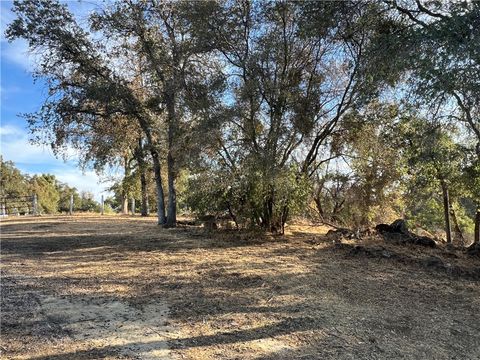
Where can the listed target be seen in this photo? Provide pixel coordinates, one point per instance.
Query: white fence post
(71, 204)
(34, 205)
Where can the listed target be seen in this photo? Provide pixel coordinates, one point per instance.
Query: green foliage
(436, 160)
(45, 186)
(208, 193)
(108, 209)
(65, 193)
(111, 203)
(471, 178)
(251, 198)
(88, 203)
(465, 220)
(427, 213)
(432, 153)
(440, 52)
(12, 182)
(375, 162)
(370, 192)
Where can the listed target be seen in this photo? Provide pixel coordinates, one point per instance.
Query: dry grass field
(94, 287)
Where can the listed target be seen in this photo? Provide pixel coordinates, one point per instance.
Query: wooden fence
(18, 205)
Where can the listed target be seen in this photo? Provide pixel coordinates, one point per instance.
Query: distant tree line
(349, 112)
(53, 196)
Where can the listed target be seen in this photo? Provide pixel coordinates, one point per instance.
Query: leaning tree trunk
(318, 203)
(446, 208)
(456, 227)
(161, 219)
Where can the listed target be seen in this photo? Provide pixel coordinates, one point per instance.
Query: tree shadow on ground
(60, 237)
(287, 326)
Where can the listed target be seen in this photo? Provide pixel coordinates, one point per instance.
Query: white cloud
(87, 181)
(17, 53)
(15, 146)
(10, 130)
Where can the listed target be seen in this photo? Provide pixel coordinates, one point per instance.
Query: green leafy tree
(163, 81)
(45, 187)
(434, 163)
(365, 186)
(65, 194)
(376, 166)
(88, 203)
(440, 51)
(15, 191)
(471, 179)
(12, 182)
(289, 88)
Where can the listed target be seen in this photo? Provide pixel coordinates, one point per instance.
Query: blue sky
(19, 94)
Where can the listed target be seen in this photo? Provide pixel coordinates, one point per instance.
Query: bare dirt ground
(123, 288)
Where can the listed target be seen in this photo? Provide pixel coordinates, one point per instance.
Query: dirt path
(119, 288)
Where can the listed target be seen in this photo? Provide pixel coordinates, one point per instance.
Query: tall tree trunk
(142, 166)
(161, 219)
(477, 226)
(158, 182)
(124, 204)
(172, 196)
(143, 182)
(446, 208)
(124, 192)
(456, 227)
